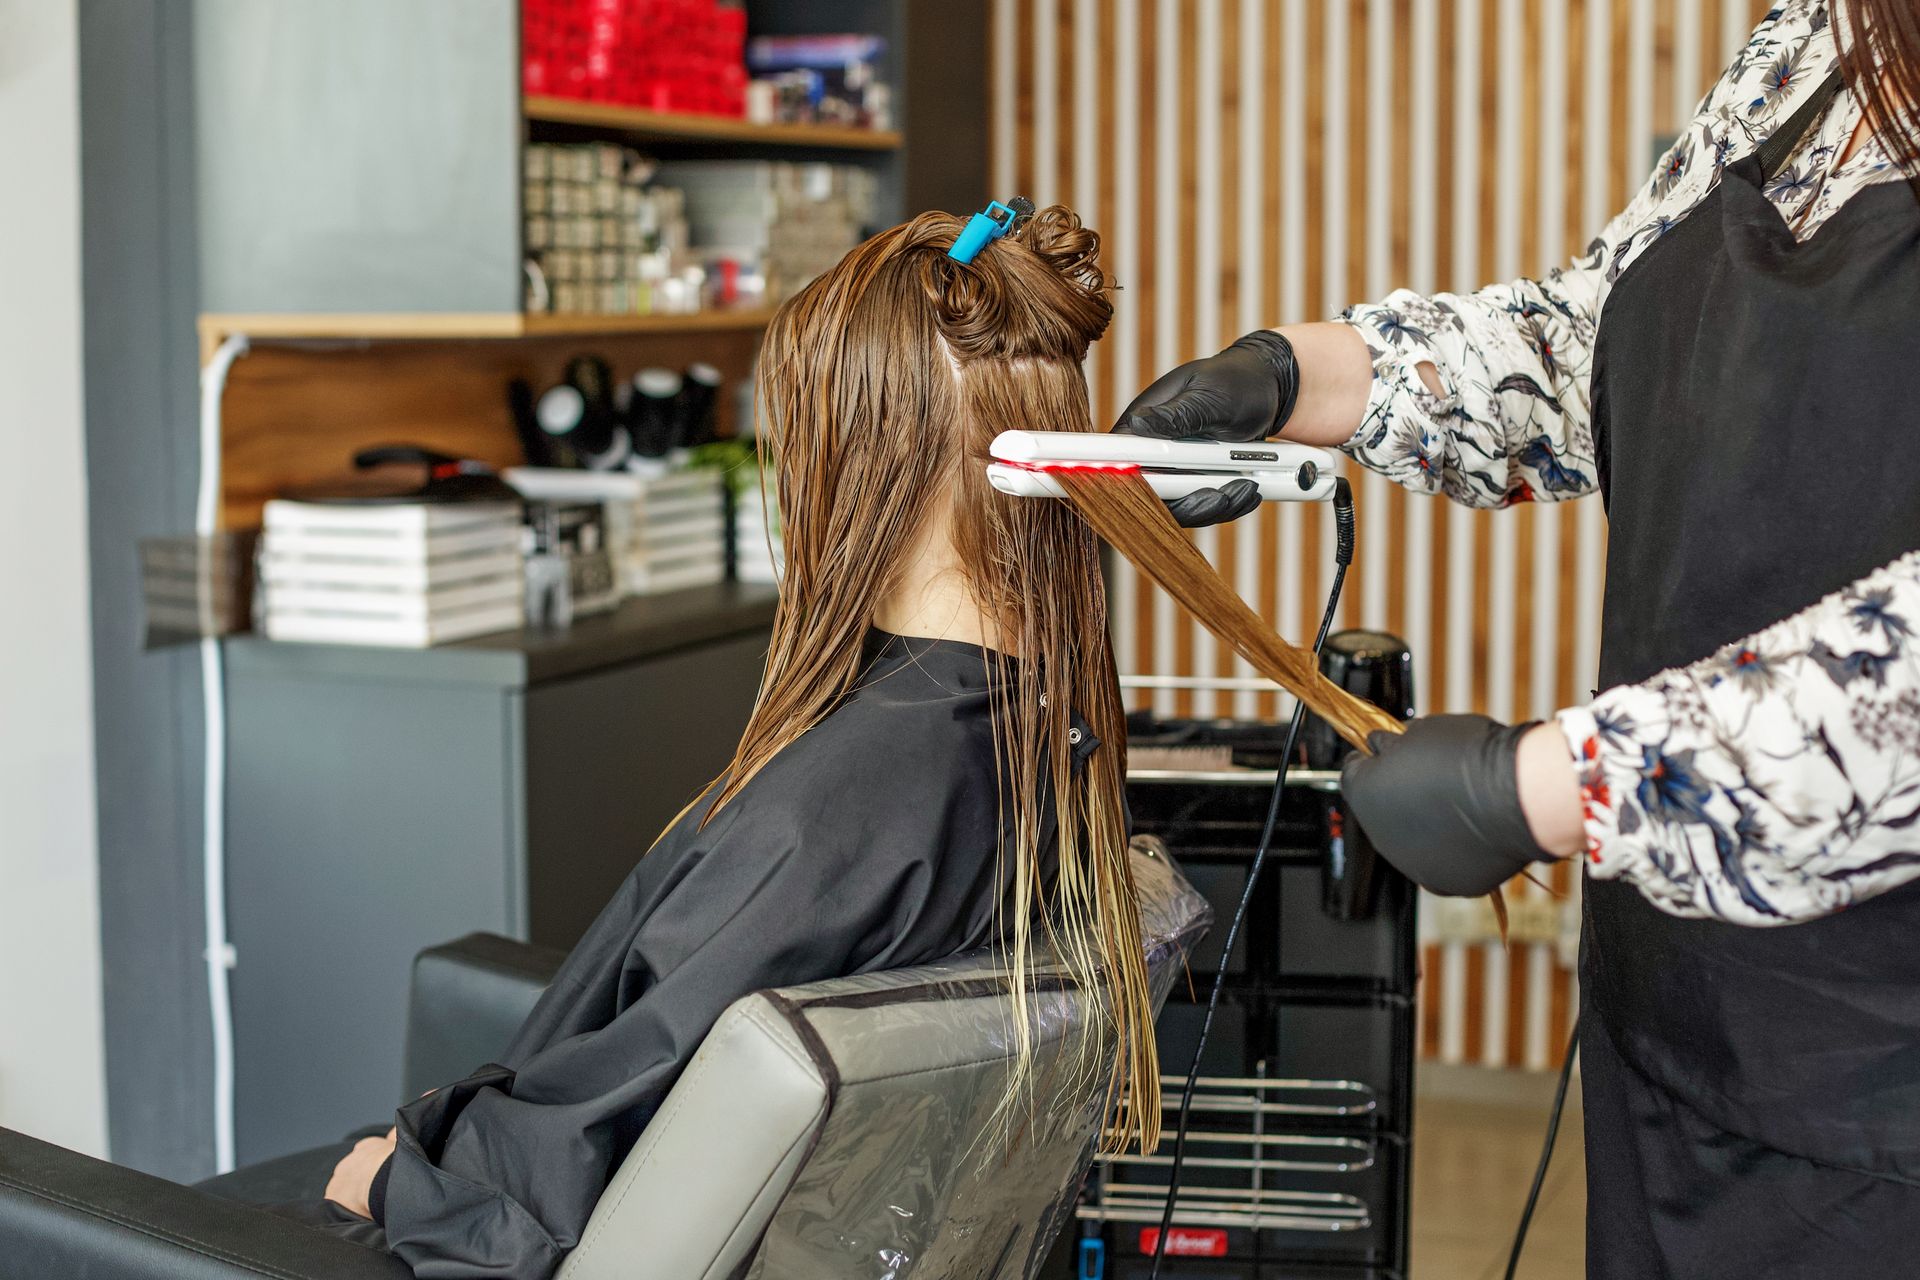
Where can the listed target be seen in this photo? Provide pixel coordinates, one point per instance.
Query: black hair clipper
(1378, 667)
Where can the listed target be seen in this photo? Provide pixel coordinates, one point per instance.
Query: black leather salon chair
(847, 1130)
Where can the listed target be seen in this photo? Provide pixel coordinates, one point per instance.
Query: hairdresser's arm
(1778, 780)
(1484, 396)
(1771, 783)
(1480, 396)
(1442, 395)
(1331, 376)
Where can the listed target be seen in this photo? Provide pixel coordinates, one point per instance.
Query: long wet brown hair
(1120, 506)
(1879, 42)
(1123, 510)
(881, 385)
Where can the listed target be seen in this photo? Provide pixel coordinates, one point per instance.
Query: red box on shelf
(667, 55)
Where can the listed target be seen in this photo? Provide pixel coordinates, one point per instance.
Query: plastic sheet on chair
(917, 1170)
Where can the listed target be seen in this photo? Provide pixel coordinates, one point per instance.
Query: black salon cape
(869, 844)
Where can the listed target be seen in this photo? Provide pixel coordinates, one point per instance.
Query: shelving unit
(733, 320)
(364, 226)
(387, 326)
(637, 125)
(413, 327)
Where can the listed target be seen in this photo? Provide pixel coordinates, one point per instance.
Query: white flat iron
(1024, 460)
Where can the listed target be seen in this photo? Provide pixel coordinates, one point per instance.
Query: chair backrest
(854, 1129)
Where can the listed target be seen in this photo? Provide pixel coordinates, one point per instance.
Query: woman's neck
(931, 598)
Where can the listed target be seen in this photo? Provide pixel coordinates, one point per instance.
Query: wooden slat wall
(1253, 162)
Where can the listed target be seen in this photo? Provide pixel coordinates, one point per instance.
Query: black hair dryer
(1378, 667)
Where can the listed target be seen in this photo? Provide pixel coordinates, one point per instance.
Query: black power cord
(1342, 558)
(1546, 1153)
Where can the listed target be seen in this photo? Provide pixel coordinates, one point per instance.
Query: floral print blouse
(1778, 780)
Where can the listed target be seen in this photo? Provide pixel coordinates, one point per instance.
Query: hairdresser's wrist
(1335, 380)
(1549, 790)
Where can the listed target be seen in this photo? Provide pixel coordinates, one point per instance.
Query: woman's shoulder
(1790, 52)
(887, 749)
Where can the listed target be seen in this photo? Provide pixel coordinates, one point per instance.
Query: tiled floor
(1473, 1161)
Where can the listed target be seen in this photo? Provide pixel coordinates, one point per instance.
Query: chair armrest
(468, 998)
(64, 1214)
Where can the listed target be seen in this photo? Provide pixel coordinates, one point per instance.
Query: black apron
(1753, 1094)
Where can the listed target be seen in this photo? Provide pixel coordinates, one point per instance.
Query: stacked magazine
(402, 574)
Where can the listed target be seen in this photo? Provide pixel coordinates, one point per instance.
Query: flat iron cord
(1342, 558)
(1546, 1151)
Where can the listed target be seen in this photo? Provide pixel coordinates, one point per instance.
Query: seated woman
(923, 773)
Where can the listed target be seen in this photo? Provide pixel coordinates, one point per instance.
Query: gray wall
(138, 292)
(50, 1055)
(268, 224)
(358, 155)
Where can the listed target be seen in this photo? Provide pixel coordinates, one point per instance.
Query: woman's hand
(1203, 507)
(353, 1176)
(1307, 382)
(1315, 393)
(1244, 393)
(1462, 804)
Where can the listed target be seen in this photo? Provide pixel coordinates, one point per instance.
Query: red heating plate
(1055, 468)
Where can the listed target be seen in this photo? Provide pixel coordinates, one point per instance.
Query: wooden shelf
(460, 325)
(727, 321)
(633, 122)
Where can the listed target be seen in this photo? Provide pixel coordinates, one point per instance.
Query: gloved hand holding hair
(1246, 392)
(1309, 382)
(1461, 804)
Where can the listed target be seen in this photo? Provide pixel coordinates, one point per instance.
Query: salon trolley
(1298, 1155)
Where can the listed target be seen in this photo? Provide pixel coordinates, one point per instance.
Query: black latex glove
(1244, 393)
(1442, 802)
(1230, 501)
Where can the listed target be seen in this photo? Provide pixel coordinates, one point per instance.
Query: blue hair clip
(988, 225)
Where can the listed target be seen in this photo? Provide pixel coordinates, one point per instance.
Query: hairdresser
(1735, 367)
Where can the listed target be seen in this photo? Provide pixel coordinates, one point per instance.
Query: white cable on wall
(219, 951)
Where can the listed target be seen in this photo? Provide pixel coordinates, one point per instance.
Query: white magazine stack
(406, 575)
(666, 530)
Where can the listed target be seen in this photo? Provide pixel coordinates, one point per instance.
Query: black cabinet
(1298, 1158)
(381, 801)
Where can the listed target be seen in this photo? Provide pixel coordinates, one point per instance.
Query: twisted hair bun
(1038, 294)
(1057, 235)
